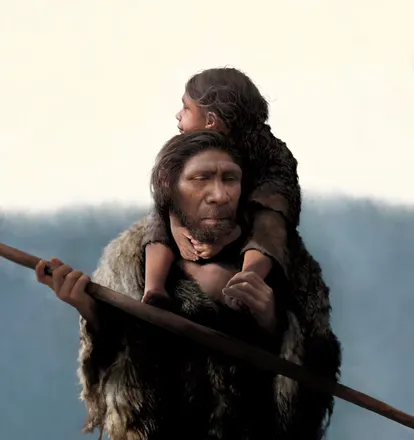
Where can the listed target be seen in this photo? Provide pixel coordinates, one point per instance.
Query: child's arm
(158, 255)
(182, 239)
(276, 198)
(276, 183)
(158, 261)
(267, 244)
(255, 261)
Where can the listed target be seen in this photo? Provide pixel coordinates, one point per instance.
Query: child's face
(191, 117)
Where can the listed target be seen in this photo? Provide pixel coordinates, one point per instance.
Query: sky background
(89, 90)
(88, 94)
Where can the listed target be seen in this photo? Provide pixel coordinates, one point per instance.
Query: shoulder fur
(116, 269)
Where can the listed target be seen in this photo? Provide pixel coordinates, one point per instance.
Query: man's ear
(212, 121)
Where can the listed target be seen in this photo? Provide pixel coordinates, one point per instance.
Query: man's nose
(178, 116)
(218, 194)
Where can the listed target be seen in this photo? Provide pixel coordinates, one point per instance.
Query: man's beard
(207, 233)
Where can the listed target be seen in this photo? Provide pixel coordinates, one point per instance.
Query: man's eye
(201, 178)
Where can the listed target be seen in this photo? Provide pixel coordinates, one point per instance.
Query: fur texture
(272, 173)
(142, 383)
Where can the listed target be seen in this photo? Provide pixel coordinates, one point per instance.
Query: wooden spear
(224, 343)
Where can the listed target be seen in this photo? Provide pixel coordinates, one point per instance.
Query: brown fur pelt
(140, 382)
(271, 171)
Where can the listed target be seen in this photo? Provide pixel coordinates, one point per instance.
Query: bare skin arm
(158, 262)
(159, 257)
(267, 245)
(255, 261)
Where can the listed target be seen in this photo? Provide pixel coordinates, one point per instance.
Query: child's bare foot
(157, 298)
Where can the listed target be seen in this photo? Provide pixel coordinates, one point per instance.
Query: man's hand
(206, 251)
(249, 290)
(69, 286)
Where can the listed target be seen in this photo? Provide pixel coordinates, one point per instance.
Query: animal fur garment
(140, 382)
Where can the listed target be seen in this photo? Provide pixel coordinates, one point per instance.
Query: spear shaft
(224, 343)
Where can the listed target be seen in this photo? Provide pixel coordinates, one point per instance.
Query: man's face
(207, 195)
(190, 117)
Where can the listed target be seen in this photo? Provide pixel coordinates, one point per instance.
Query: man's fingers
(233, 303)
(53, 264)
(41, 277)
(249, 277)
(58, 277)
(243, 292)
(79, 289)
(241, 277)
(56, 262)
(65, 291)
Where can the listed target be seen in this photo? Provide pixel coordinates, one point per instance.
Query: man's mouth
(214, 220)
(180, 129)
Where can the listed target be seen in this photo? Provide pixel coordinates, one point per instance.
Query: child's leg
(158, 261)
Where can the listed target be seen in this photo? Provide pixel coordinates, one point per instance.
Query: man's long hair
(233, 97)
(175, 153)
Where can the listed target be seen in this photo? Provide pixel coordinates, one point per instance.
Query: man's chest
(211, 278)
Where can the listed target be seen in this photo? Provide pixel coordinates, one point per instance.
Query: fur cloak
(140, 382)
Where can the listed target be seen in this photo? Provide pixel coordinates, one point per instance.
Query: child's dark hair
(233, 97)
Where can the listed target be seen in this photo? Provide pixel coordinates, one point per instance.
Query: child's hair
(233, 97)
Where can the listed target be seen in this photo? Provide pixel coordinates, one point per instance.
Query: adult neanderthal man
(140, 382)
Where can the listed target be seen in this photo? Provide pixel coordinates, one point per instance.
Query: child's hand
(183, 239)
(206, 251)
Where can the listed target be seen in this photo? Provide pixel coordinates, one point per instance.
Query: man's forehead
(211, 159)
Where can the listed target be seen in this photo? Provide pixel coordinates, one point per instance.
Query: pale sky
(89, 90)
